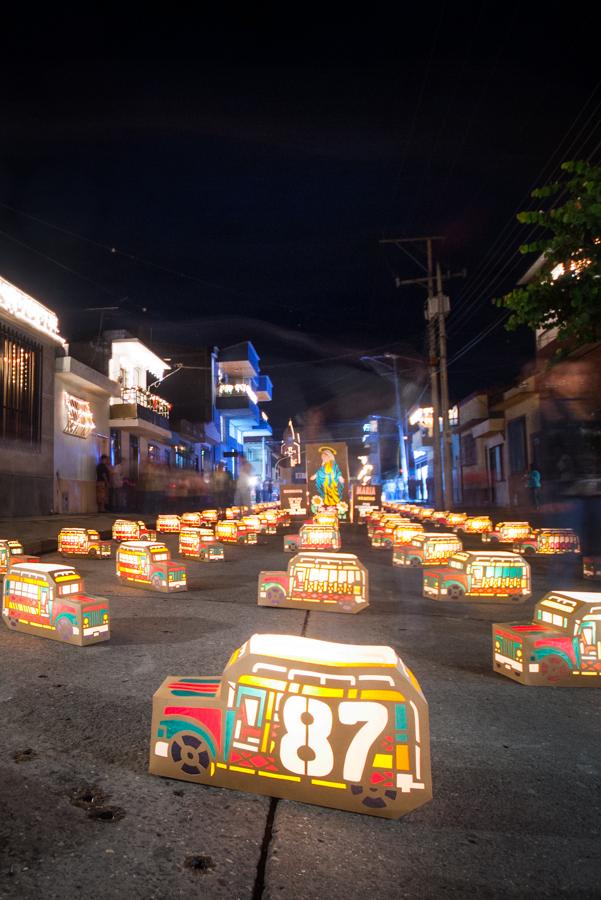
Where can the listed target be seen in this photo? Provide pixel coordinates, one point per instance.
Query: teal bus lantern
(560, 646)
(482, 576)
(338, 725)
(427, 549)
(549, 542)
(150, 566)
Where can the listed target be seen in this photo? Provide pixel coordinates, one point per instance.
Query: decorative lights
(168, 524)
(82, 542)
(427, 549)
(484, 576)
(79, 419)
(313, 537)
(23, 307)
(126, 530)
(149, 565)
(334, 582)
(339, 725)
(549, 542)
(195, 544)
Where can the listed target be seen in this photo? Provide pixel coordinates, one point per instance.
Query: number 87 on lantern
(338, 725)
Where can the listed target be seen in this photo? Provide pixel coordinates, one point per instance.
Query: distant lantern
(83, 542)
(402, 535)
(508, 533)
(549, 542)
(591, 567)
(475, 525)
(383, 532)
(439, 518)
(481, 576)
(233, 512)
(233, 531)
(194, 544)
(149, 565)
(209, 516)
(339, 725)
(191, 520)
(427, 549)
(126, 530)
(48, 600)
(313, 537)
(168, 524)
(455, 520)
(12, 552)
(333, 582)
(561, 646)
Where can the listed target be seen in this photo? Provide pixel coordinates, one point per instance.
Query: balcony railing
(144, 398)
(236, 389)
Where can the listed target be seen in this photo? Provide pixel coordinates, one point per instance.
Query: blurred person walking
(244, 485)
(103, 483)
(534, 481)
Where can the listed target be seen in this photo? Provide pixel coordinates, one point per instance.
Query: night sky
(226, 182)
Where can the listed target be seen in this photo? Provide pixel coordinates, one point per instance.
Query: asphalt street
(516, 770)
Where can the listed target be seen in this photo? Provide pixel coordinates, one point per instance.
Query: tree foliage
(566, 291)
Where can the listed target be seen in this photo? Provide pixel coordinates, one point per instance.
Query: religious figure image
(328, 478)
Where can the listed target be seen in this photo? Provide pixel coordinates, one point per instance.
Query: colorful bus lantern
(508, 532)
(269, 521)
(439, 518)
(425, 513)
(150, 566)
(313, 537)
(475, 525)
(404, 533)
(549, 541)
(209, 516)
(494, 575)
(234, 532)
(12, 552)
(83, 542)
(233, 512)
(254, 523)
(455, 520)
(48, 600)
(560, 646)
(191, 520)
(126, 530)
(591, 567)
(383, 533)
(338, 725)
(334, 582)
(326, 518)
(197, 546)
(427, 549)
(168, 524)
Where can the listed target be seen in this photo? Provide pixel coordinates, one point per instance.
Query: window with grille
(20, 387)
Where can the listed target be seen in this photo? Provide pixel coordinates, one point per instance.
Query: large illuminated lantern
(233, 531)
(455, 520)
(334, 582)
(493, 575)
(168, 524)
(427, 549)
(149, 565)
(549, 541)
(209, 516)
(591, 567)
(48, 600)
(196, 545)
(475, 525)
(403, 534)
(126, 530)
(508, 533)
(83, 542)
(383, 533)
(561, 646)
(12, 552)
(313, 537)
(338, 725)
(191, 520)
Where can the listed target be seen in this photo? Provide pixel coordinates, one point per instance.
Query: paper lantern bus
(12, 552)
(383, 533)
(425, 513)
(168, 524)
(373, 520)
(404, 533)
(334, 582)
(549, 541)
(125, 530)
(439, 518)
(209, 516)
(313, 537)
(455, 520)
(475, 525)
(561, 646)
(196, 545)
(493, 575)
(150, 566)
(269, 521)
(338, 725)
(191, 520)
(508, 533)
(48, 600)
(254, 523)
(326, 518)
(233, 512)
(427, 549)
(83, 542)
(284, 520)
(591, 567)
(234, 532)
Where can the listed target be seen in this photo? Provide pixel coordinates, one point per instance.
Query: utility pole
(444, 306)
(433, 364)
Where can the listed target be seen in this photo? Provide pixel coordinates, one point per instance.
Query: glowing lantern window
(309, 584)
(368, 737)
(47, 600)
(79, 418)
(560, 646)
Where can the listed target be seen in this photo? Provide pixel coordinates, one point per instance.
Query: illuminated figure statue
(328, 478)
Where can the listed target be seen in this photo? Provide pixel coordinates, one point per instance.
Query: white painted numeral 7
(375, 717)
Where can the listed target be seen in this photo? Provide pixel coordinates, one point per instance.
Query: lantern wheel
(92, 553)
(373, 796)
(528, 551)
(64, 629)
(275, 595)
(190, 755)
(554, 669)
(157, 582)
(414, 561)
(456, 592)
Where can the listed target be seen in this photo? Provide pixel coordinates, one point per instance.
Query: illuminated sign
(335, 582)
(20, 305)
(80, 421)
(560, 646)
(338, 725)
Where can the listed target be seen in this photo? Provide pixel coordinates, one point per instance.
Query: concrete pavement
(516, 770)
